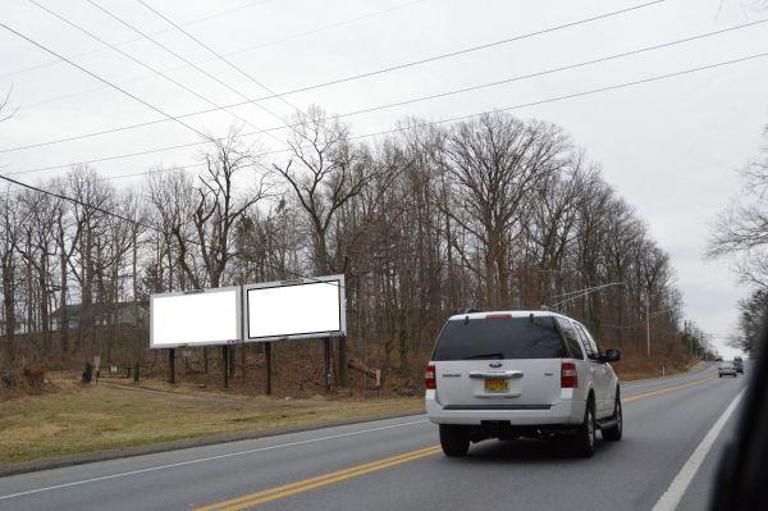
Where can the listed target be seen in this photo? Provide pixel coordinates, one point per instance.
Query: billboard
(199, 318)
(295, 309)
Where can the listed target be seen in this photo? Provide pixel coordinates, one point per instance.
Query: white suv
(521, 373)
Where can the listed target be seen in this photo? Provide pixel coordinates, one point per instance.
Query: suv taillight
(569, 378)
(430, 382)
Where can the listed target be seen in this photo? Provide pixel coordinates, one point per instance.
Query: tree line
(741, 234)
(491, 213)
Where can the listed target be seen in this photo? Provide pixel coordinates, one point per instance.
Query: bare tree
(742, 229)
(9, 234)
(324, 173)
(219, 208)
(171, 195)
(496, 212)
(495, 163)
(37, 248)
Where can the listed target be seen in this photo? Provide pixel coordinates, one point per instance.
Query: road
(393, 464)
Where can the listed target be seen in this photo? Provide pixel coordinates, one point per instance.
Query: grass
(78, 418)
(84, 418)
(638, 369)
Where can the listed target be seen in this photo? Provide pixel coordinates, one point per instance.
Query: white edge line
(209, 458)
(674, 494)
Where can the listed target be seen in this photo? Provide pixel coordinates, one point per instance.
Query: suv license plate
(496, 385)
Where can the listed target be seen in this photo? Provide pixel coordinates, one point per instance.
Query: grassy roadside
(628, 373)
(79, 419)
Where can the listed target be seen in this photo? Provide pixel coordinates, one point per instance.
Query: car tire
(586, 435)
(454, 440)
(614, 433)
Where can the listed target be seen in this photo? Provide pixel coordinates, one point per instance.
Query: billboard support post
(171, 366)
(343, 361)
(268, 365)
(305, 308)
(225, 364)
(328, 364)
(243, 363)
(294, 309)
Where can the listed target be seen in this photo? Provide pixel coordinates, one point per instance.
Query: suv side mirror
(612, 355)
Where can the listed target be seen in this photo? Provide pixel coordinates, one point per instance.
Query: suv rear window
(480, 339)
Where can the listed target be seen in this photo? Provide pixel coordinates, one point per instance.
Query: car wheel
(613, 434)
(454, 440)
(586, 435)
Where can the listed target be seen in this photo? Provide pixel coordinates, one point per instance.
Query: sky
(670, 147)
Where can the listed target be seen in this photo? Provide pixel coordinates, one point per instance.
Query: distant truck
(739, 363)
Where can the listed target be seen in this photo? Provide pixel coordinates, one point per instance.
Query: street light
(583, 292)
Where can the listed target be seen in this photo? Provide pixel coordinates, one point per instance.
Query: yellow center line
(664, 390)
(280, 492)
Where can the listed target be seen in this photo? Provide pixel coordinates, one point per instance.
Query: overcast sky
(670, 147)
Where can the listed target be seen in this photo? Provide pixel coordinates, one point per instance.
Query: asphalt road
(393, 464)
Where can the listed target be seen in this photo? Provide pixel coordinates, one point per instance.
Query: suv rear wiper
(486, 355)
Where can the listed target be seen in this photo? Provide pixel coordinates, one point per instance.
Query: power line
(129, 41)
(66, 198)
(551, 70)
(510, 108)
(138, 61)
(219, 14)
(265, 44)
(429, 97)
(100, 79)
(464, 51)
(216, 54)
(322, 28)
(180, 57)
(469, 116)
(120, 89)
(353, 77)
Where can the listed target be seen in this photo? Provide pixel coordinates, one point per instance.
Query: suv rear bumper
(565, 412)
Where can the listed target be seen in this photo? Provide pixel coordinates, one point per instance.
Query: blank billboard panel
(309, 308)
(208, 317)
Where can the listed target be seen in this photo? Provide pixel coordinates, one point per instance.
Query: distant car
(726, 369)
(521, 374)
(739, 364)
